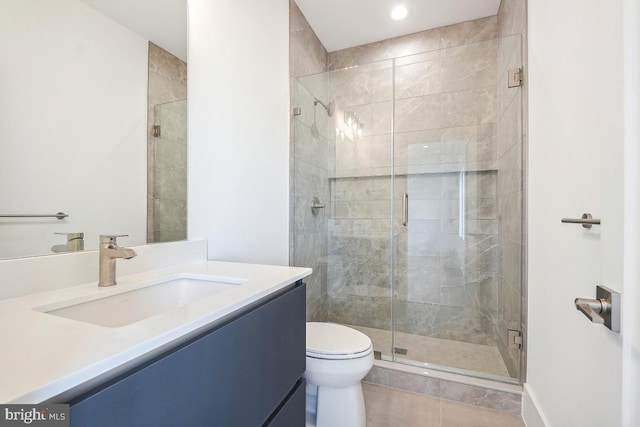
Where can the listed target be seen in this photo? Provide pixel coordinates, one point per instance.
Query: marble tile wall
(510, 183)
(445, 156)
(166, 155)
(310, 153)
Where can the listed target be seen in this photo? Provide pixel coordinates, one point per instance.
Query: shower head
(330, 107)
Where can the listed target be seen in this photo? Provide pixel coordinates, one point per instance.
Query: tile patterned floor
(389, 407)
(455, 354)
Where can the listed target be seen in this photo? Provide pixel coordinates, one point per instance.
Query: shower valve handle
(315, 205)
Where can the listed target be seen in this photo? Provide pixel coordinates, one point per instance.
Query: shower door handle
(405, 209)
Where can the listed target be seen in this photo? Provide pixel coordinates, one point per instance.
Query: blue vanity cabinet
(246, 372)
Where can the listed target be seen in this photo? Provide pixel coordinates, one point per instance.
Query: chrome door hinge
(156, 131)
(515, 77)
(514, 339)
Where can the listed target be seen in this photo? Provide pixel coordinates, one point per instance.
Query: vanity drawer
(236, 375)
(292, 412)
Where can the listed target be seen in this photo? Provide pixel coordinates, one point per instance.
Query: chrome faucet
(109, 252)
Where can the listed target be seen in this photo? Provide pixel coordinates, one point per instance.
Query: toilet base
(341, 407)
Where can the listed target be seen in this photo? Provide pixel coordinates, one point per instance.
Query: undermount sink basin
(147, 300)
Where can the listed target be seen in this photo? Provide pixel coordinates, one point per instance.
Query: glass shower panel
(170, 172)
(360, 228)
(457, 173)
(312, 157)
(510, 202)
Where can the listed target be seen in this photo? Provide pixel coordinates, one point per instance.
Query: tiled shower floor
(454, 354)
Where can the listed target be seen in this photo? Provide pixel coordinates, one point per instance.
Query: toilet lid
(328, 339)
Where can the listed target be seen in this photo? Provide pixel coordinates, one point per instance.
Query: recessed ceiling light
(399, 12)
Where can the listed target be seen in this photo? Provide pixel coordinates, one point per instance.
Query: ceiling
(164, 22)
(340, 24)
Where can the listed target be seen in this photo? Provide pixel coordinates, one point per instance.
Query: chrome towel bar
(587, 220)
(59, 215)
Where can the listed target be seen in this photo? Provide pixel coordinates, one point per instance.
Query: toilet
(338, 357)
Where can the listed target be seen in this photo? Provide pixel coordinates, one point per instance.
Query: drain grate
(400, 350)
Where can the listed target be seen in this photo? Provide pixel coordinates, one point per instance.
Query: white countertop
(42, 355)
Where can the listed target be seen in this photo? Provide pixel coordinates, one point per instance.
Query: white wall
(239, 129)
(72, 125)
(575, 165)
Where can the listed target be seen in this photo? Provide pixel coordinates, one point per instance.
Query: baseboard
(531, 409)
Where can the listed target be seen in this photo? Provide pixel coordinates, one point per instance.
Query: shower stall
(407, 203)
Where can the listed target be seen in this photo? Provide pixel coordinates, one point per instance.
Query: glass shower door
(457, 204)
(168, 221)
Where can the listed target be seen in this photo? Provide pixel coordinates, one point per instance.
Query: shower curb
(477, 392)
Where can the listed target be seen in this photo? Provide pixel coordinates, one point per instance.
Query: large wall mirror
(92, 123)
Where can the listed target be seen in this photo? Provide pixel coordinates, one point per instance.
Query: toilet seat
(336, 342)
